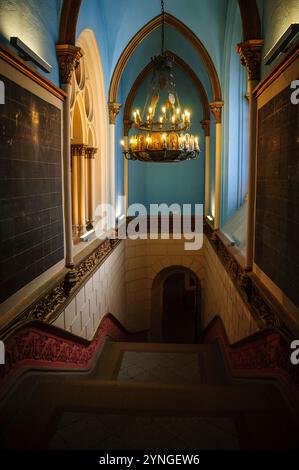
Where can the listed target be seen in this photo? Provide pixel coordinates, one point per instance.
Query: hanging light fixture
(162, 126)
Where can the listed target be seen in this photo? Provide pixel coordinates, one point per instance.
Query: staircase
(141, 395)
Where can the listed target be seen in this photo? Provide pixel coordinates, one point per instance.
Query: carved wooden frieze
(52, 303)
(261, 309)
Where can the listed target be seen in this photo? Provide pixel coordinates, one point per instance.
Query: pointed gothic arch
(143, 33)
(251, 21)
(68, 21)
(70, 11)
(147, 70)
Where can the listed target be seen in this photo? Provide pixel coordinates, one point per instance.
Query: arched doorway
(176, 306)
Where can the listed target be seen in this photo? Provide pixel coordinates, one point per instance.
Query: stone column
(69, 58)
(79, 188)
(250, 53)
(216, 109)
(75, 189)
(127, 127)
(81, 149)
(89, 159)
(114, 109)
(206, 127)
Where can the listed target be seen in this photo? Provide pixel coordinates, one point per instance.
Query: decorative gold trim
(114, 109)
(68, 21)
(277, 71)
(266, 313)
(250, 53)
(49, 306)
(143, 33)
(69, 58)
(216, 110)
(16, 62)
(127, 122)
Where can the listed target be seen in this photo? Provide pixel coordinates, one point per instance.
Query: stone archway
(143, 33)
(70, 11)
(170, 321)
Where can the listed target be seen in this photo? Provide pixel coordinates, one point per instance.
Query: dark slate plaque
(31, 223)
(277, 199)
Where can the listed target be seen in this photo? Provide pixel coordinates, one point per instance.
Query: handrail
(264, 355)
(38, 345)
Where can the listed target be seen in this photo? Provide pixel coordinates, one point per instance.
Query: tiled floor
(109, 431)
(163, 367)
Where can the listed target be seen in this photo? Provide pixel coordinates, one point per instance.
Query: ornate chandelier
(161, 136)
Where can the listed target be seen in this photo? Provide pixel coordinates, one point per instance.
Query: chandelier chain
(161, 138)
(163, 26)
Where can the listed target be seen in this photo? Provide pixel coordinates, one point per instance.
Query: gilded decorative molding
(72, 281)
(205, 124)
(216, 110)
(50, 304)
(69, 57)
(250, 54)
(90, 152)
(114, 109)
(264, 313)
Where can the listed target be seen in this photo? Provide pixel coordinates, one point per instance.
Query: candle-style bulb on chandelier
(162, 127)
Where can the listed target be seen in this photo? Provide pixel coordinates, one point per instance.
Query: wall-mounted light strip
(28, 54)
(282, 43)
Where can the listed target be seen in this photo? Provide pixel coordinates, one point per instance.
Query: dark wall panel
(31, 223)
(277, 204)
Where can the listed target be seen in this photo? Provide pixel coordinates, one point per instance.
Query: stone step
(166, 363)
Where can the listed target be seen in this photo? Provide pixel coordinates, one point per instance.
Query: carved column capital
(114, 109)
(250, 54)
(78, 150)
(69, 57)
(90, 152)
(205, 124)
(216, 110)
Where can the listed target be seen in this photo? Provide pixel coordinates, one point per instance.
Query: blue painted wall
(36, 23)
(235, 120)
(91, 17)
(176, 43)
(216, 22)
(123, 18)
(183, 182)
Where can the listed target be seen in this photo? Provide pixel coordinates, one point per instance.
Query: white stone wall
(222, 298)
(144, 260)
(103, 293)
(123, 286)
